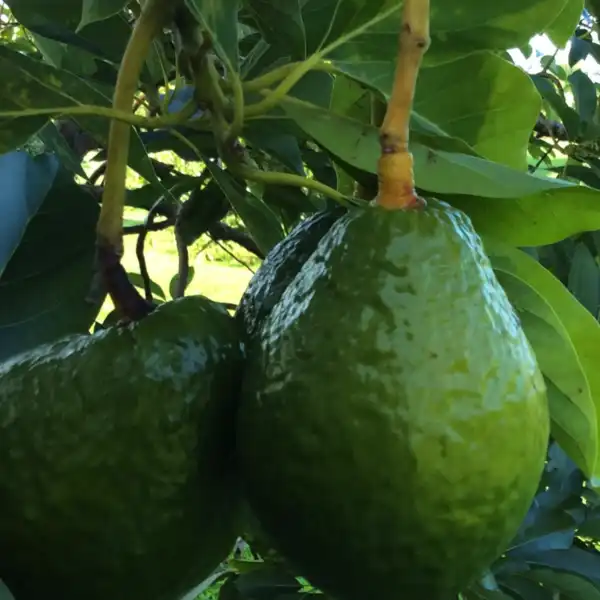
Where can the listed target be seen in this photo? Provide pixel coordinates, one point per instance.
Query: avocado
(393, 422)
(117, 477)
(279, 267)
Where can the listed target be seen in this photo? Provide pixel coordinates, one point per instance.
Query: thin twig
(97, 173)
(183, 268)
(223, 232)
(236, 258)
(143, 227)
(139, 249)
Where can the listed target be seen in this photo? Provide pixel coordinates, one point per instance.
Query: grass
(216, 273)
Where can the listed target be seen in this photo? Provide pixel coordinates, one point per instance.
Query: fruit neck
(395, 165)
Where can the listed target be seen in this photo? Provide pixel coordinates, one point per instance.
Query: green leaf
(565, 338)
(573, 587)
(203, 209)
(267, 583)
(584, 279)
(525, 589)
(574, 560)
(584, 92)
(353, 100)
(274, 137)
(59, 20)
(220, 19)
(5, 592)
(175, 282)
(436, 171)
(365, 34)
(26, 181)
(259, 219)
(138, 281)
(562, 27)
(568, 115)
(534, 220)
(44, 290)
(98, 10)
(29, 83)
(481, 109)
(55, 142)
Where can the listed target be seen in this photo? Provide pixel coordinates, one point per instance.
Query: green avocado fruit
(264, 290)
(393, 422)
(117, 473)
(279, 267)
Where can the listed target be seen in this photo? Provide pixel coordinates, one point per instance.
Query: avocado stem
(154, 14)
(395, 166)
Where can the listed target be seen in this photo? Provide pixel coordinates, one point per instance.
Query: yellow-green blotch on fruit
(393, 423)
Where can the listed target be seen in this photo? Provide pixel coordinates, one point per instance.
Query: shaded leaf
(29, 83)
(59, 21)
(574, 560)
(138, 281)
(366, 33)
(259, 219)
(55, 142)
(173, 284)
(549, 530)
(45, 286)
(525, 589)
(274, 137)
(572, 586)
(25, 181)
(263, 584)
(5, 592)
(584, 279)
(98, 10)
(568, 115)
(579, 50)
(220, 20)
(204, 208)
(584, 93)
(591, 526)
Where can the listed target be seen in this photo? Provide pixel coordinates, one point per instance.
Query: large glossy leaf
(220, 19)
(365, 34)
(562, 27)
(436, 171)
(565, 338)
(60, 20)
(29, 83)
(538, 219)
(481, 109)
(44, 288)
(25, 182)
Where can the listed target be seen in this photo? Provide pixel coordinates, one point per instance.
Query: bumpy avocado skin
(279, 267)
(116, 476)
(394, 422)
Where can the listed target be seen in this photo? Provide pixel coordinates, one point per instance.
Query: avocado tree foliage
(301, 88)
